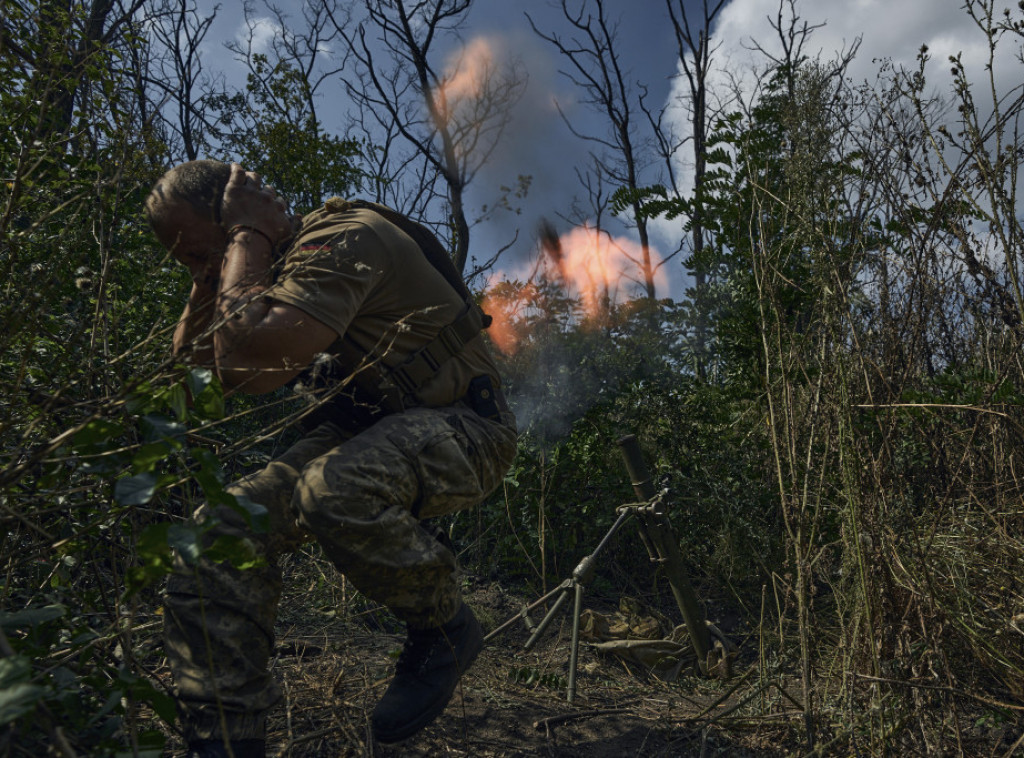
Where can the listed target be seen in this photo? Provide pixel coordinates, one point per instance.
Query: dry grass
(332, 667)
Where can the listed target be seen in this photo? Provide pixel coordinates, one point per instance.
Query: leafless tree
(693, 42)
(307, 48)
(398, 81)
(595, 68)
(173, 82)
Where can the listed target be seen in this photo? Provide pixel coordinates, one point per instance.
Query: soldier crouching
(425, 433)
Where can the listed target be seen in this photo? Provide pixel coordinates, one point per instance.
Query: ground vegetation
(833, 414)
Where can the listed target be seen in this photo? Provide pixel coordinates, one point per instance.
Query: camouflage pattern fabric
(362, 497)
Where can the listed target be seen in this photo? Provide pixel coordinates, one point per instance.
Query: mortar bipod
(580, 577)
(663, 549)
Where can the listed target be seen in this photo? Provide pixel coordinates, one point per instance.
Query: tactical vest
(360, 387)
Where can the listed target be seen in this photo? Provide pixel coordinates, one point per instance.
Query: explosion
(591, 265)
(465, 76)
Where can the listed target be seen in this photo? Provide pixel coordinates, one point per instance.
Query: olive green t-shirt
(362, 276)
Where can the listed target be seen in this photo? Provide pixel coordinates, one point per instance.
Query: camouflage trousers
(361, 496)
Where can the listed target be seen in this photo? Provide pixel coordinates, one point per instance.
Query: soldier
(427, 435)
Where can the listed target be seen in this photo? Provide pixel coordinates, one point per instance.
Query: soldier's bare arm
(262, 344)
(191, 343)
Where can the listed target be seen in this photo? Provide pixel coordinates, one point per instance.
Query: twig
(62, 742)
(545, 724)
(941, 688)
(725, 696)
(288, 716)
(790, 698)
(738, 721)
(293, 741)
(731, 709)
(1013, 750)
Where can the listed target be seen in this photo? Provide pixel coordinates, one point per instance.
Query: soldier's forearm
(192, 342)
(245, 275)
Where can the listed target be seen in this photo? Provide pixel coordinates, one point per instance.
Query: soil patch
(512, 703)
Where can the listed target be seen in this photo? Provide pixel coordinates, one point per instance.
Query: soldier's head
(184, 209)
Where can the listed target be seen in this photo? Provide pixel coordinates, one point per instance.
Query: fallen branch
(545, 724)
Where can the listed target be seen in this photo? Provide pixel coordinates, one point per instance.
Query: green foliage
(579, 387)
(272, 128)
(652, 201)
(97, 429)
(72, 694)
(130, 453)
(863, 305)
(852, 448)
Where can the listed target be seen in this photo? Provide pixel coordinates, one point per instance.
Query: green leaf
(163, 481)
(163, 705)
(18, 700)
(31, 617)
(185, 539)
(256, 515)
(239, 552)
(110, 705)
(177, 399)
(153, 540)
(96, 431)
(198, 379)
(14, 670)
(209, 403)
(135, 490)
(142, 689)
(141, 400)
(156, 426)
(207, 460)
(154, 554)
(149, 455)
(211, 480)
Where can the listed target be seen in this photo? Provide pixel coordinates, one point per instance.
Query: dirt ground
(333, 668)
(511, 703)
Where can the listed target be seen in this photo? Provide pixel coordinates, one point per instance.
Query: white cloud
(891, 30)
(263, 32)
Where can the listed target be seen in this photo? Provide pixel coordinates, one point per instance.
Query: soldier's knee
(331, 493)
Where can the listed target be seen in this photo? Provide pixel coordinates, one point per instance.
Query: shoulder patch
(337, 205)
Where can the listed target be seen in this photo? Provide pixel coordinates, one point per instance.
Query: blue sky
(538, 142)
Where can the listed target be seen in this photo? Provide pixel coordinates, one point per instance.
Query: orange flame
(465, 76)
(593, 265)
(506, 303)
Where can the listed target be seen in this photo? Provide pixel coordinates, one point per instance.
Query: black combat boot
(428, 669)
(218, 749)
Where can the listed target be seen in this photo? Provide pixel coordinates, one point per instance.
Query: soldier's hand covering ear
(248, 202)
